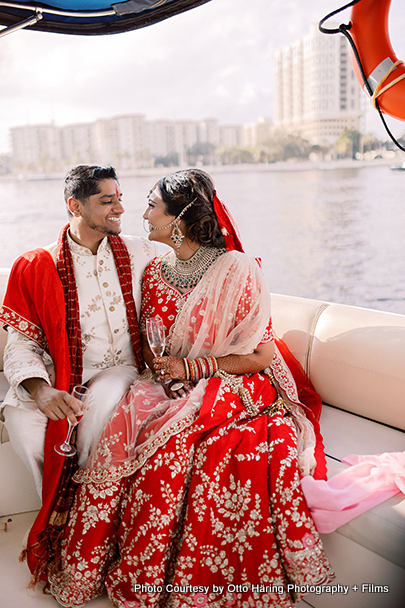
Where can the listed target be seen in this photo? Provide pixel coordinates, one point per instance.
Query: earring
(177, 236)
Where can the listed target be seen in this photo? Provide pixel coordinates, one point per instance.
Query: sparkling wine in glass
(155, 332)
(66, 449)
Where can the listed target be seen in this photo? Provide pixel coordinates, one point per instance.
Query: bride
(192, 496)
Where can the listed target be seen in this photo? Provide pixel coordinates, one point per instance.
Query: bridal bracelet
(203, 367)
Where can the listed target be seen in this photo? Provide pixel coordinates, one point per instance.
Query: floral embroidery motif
(30, 330)
(200, 599)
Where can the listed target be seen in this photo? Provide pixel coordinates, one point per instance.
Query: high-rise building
(231, 136)
(121, 141)
(209, 131)
(258, 133)
(316, 93)
(78, 143)
(186, 134)
(34, 144)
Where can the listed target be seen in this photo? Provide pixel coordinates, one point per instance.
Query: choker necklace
(185, 274)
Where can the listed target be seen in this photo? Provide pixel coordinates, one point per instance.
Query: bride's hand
(175, 391)
(169, 368)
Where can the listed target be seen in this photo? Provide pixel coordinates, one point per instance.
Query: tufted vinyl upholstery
(356, 360)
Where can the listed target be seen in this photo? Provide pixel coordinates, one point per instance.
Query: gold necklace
(185, 274)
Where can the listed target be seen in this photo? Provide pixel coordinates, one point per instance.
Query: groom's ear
(74, 206)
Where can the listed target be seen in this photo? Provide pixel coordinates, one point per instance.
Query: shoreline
(286, 166)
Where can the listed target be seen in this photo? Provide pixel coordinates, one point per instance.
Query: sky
(213, 61)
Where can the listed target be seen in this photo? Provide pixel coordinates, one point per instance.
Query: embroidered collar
(85, 251)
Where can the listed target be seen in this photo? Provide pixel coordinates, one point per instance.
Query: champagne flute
(65, 449)
(155, 332)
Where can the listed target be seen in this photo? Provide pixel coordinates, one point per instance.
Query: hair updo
(181, 188)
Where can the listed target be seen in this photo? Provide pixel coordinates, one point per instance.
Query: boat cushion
(301, 314)
(357, 362)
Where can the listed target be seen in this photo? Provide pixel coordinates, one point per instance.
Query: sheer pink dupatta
(227, 313)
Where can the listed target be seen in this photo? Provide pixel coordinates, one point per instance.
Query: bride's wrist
(202, 367)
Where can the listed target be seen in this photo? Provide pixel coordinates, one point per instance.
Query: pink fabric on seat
(368, 482)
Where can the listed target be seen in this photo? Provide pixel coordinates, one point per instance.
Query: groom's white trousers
(27, 426)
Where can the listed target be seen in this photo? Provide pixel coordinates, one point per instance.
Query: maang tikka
(177, 236)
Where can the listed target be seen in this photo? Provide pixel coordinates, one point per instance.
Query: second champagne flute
(80, 393)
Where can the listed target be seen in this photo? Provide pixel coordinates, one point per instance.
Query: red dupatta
(227, 225)
(34, 305)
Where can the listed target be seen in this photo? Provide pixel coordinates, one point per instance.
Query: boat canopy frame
(74, 16)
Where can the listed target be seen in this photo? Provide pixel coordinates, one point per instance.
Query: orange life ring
(382, 68)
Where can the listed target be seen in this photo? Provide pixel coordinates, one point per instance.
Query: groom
(71, 311)
(71, 314)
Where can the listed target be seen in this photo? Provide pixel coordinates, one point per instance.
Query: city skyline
(215, 60)
(128, 141)
(141, 114)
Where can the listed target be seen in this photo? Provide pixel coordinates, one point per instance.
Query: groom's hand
(55, 404)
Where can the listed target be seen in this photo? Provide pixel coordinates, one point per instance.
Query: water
(336, 234)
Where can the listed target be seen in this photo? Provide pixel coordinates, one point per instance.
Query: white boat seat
(355, 358)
